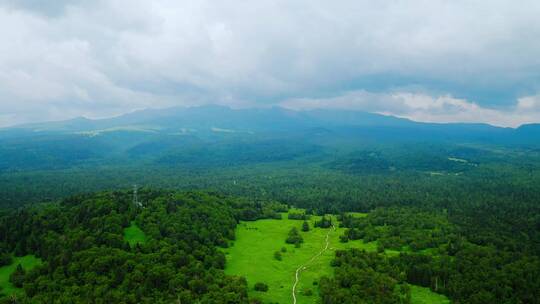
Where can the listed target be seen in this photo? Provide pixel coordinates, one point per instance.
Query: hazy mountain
(207, 117)
(213, 120)
(271, 119)
(209, 134)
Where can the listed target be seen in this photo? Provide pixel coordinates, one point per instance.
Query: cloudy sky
(441, 61)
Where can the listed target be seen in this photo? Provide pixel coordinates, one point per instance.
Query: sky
(432, 60)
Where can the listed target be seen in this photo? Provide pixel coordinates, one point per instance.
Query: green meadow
(252, 256)
(133, 234)
(423, 295)
(27, 262)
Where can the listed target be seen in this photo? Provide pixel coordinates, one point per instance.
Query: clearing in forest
(27, 262)
(133, 235)
(423, 295)
(256, 242)
(252, 256)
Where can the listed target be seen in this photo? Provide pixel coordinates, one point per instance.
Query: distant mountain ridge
(217, 136)
(223, 114)
(211, 119)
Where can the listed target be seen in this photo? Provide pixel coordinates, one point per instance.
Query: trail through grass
(133, 235)
(304, 266)
(252, 256)
(28, 262)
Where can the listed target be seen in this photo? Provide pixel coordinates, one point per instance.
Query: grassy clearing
(357, 214)
(28, 262)
(423, 295)
(252, 256)
(133, 235)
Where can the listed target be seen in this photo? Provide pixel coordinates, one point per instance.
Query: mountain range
(182, 135)
(276, 119)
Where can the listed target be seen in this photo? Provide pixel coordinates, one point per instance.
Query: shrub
(307, 292)
(261, 287)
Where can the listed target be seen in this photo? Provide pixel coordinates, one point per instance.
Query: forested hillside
(85, 255)
(86, 250)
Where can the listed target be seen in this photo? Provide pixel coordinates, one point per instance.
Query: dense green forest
(438, 254)
(458, 207)
(85, 254)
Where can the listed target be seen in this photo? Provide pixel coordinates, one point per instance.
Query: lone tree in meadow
(305, 226)
(294, 237)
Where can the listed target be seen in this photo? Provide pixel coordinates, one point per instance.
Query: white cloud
(529, 104)
(99, 58)
(426, 108)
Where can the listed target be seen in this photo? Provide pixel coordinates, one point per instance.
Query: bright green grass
(133, 235)
(28, 262)
(252, 257)
(423, 295)
(358, 214)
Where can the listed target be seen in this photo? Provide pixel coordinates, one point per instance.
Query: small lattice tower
(136, 202)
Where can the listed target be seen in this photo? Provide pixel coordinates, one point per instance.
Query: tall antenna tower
(136, 202)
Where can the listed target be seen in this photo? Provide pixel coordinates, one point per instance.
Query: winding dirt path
(304, 266)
